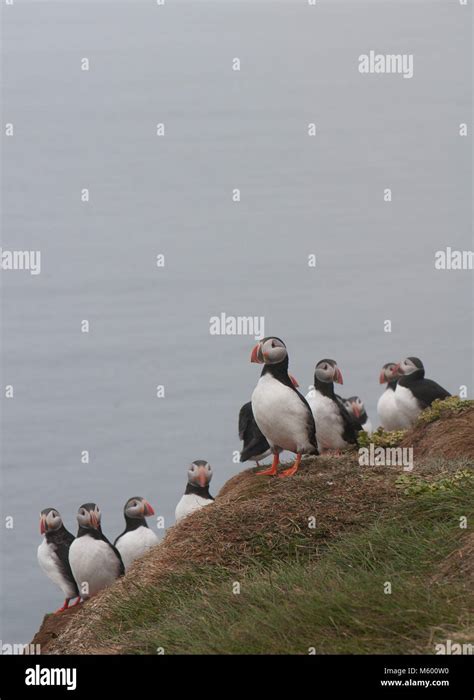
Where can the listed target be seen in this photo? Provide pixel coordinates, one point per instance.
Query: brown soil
(51, 626)
(459, 565)
(451, 437)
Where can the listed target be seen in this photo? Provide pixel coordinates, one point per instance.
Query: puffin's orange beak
(356, 410)
(382, 378)
(42, 524)
(254, 355)
(147, 509)
(202, 477)
(94, 520)
(338, 376)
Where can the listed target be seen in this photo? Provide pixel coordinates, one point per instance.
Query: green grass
(335, 604)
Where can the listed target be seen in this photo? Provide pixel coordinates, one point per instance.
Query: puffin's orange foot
(63, 608)
(272, 470)
(76, 603)
(292, 470)
(267, 472)
(289, 472)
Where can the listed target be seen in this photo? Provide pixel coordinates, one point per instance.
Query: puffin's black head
(410, 365)
(199, 473)
(88, 516)
(389, 373)
(50, 520)
(328, 371)
(269, 351)
(137, 507)
(355, 406)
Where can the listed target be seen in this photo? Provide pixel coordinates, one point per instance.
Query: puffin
(255, 445)
(282, 414)
(336, 428)
(53, 555)
(355, 406)
(414, 393)
(196, 494)
(388, 413)
(95, 562)
(137, 537)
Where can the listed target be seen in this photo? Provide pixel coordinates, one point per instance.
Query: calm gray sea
(172, 195)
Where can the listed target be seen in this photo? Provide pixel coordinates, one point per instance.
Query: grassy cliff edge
(338, 559)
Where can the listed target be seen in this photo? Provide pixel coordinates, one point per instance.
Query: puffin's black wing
(352, 426)
(119, 536)
(62, 541)
(254, 440)
(245, 419)
(119, 557)
(309, 422)
(426, 391)
(117, 553)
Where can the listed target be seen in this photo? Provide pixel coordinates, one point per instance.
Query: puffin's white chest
(51, 565)
(189, 503)
(389, 416)
(135, 543)
(94, 564)
(281, 415)
(329, 423)
(407, 406)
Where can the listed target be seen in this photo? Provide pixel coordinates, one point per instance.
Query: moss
(439, 409)
(413, 485)
(381, 438)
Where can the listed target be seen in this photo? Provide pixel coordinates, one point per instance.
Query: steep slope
(280, 566)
